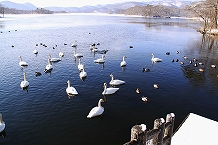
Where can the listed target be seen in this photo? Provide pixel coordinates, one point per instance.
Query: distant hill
(108, 8)
(12, 5)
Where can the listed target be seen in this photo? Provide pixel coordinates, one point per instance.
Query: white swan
(82, 74)
(71, 91)
(123, 63)
(77, 55)
(49, 66)
(100, 60)
(96, 111)
(145, 99)
(108, 91)
(24, 83)
(2, 123)
(53, 59)
(80, 66)
(35, 51)
(22, 63)
(155, 59)
(74, 44)
(115, 82)
(61, 54)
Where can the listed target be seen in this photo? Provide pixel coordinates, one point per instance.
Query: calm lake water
(45, 115)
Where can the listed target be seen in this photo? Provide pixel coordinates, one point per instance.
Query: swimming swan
(35, 51)
(115, 82)
(49, 66)
(22, 63)
(24, 84)
(2, 123)
(54, 59)
(123, 63)
(77, 55)
(82, 74)
(155, 59)
(100, 60)
(96, 111)
(71, 91)
(108, 91)
(80, 66)
(61, 54)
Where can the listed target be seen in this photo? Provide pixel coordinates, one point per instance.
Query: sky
(69, 3)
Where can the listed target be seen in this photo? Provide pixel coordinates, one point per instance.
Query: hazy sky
(66, 3)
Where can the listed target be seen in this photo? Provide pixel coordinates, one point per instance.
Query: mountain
(108, 8)
(12, 5)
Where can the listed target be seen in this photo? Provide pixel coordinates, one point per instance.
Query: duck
(71, 91)
(185, 57)
(138, 91)
(49, 66)
(77, 55)
(109, 91)
(100, 60)
(2, 124)
(92, 46)
(201, 69)
(173, 60)
(35, 51)
(167, 53)
(115, 82)
(102, 51)
(181, 62)
(123, 62)
(37, 74)
(80, 66)
(83, 74)
(22, 63)
(74, 44)
(61, 54)
(95, 49)
(155, 59)
(53, 59)
(96, 111)
(24, 84)
(145, 69)
(177, 60)
(145, 99)
(213, 65)
(156, 86)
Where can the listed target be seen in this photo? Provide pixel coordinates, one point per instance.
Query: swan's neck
(1, 118)
(112, 77)
(49, 62)
(152, 56)
(123, 58)
(79, 61)
(68, 82)
(24, 76)
(102, 57)
(99, 103)
(20, 59)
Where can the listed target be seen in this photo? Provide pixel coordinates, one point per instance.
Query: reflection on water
(45, 115)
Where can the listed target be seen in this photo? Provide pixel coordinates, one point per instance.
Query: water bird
(177, 52)
(185, 57)
(130, 46)
(74, 44)
(173, 60)
(35, 51)
(96, 111)
(61, 54)
(200, 63)
(24, 84)
(123, 62)
(65, 43)
(22, 63)
(83, 74)
(138, 91)
(49, 66)
(181, 62)
(213, 65)
(102, 51)
(71, 91)
(145, 99)
(2, 124)
(115, 82)
(156, 86)
(145, 69)
(177, 60)
(109, 91)
(77, 55)
(37, 74)
(53, 59)
(200, 69)
(155, 59)
(80, 66)
(12, 45)
(100, 60)
(167, 53)
(195, 64)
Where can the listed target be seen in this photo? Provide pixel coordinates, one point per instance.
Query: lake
(45, 115)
